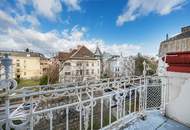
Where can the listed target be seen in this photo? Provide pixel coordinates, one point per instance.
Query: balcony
(122, 103)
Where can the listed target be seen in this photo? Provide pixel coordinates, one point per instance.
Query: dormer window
(67, 64)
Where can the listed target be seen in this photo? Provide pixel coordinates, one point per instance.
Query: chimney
(78, 46)
(27, 50)
(185, 29)
(167, 37)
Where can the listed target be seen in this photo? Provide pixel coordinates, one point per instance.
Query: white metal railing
(90, 105)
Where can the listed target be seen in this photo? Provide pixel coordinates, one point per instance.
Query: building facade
(79, 64)
(174, 63)
(178, 43)
(27, 65)
(118, 66)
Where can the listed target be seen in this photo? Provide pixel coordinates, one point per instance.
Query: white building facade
(79, 65)
(119, 66)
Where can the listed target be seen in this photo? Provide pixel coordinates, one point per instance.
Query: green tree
(151, 62)
(43, 80)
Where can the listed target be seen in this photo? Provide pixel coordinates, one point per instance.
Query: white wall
(178, 107)
(92, 65)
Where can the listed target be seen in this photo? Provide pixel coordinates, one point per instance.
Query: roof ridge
(76, 52)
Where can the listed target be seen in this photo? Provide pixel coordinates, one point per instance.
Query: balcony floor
(155, 121)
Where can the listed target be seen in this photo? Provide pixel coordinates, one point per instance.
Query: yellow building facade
(27, 65)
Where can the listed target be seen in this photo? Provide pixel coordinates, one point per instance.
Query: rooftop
(185, 33)
(21, 53)
(98, 52)
(81, 52)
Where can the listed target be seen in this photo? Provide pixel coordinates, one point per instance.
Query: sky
(116, 26)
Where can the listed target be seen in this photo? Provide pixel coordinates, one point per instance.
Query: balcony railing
(103, 104)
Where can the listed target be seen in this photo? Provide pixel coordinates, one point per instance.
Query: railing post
(164, 87)
(31, 113)
(24, 98)
(7, 102)
(110, 105)
(92, 95)
(7, 62)
(135, 102)
(67, 118)
(102, 103)
(51, 120)
(124, 98)
(129, 101)
(144, 88)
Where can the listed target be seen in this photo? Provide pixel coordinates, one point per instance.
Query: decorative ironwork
(121, 98)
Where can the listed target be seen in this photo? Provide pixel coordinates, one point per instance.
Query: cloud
(21, 37)
(137, 8)
(72, 4)
(30, 20)
(48, 8)
(53, 41)
(6, 21)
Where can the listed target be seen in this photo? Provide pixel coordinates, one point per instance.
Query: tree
(151, 62)
(53, 72)
(43, 80)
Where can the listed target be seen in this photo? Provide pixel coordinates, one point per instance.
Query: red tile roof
(81, 52)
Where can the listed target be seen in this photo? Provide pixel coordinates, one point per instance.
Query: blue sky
(116, 25)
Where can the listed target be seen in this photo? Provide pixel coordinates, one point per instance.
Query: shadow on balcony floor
(155, 121)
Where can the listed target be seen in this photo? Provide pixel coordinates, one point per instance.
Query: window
(44, 69)
(98, 71)
(67, 64)
(92, 64)
(24, 73)
(18, 64)
(17, 60)
(18, 76)
(81, 72)
(92, 72)
(87, 64)
(79, 64)
(77, 72)
(117, 69)
(18, 70)
(87, 72)
(67, 73)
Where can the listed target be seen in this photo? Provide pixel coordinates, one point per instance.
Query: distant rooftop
(81, 52)
(21, 53)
